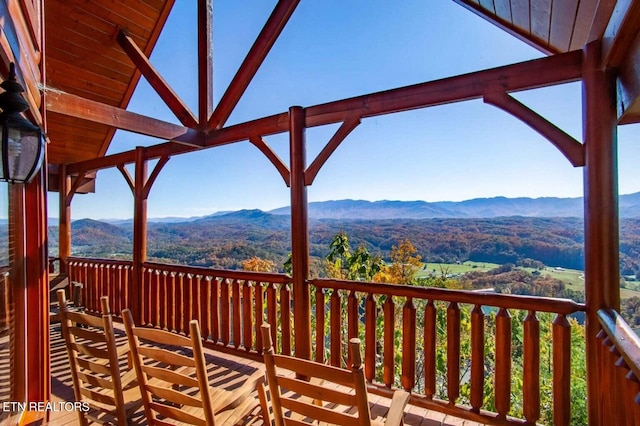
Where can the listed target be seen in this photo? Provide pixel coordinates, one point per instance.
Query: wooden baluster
(187, 306)
(205, 308)
(272, 313)
(320, 318)
(114, 290)
(94, 282)
(430, 349)
(162, 300)
(225, 312)
(215, 309)
(120, 293)
(179, 298)
(561, 370)
(477, 358)
(285, 318)
(606, 381)
(389, 308)
(503, 362)
(145, 294)
(620, 373)
(259, 314)
(370, 339)
(235, 299)
(153, 305)
(247, 315)
(352, 320)
(336, 325)
(453, 352)
(531, 368)
(195, 298)
(633, 396)
(408, 379)
(100, 286)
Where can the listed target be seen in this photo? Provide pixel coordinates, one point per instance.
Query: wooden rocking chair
(112, 395)
(175, 386)
(328, 395)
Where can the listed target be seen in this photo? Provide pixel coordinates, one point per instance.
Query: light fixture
(22, 144)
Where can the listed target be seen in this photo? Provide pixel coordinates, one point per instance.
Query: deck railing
(439, 344)
(408, 343)
(620, 374)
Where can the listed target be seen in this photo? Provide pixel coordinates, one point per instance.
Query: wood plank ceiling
(83, 57)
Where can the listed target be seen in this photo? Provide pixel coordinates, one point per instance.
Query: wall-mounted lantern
(22, 145)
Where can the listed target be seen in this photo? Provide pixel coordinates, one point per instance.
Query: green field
(573, 278)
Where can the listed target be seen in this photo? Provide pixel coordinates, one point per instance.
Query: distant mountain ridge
(480, 208)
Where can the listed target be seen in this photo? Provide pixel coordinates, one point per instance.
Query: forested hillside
(224, 241)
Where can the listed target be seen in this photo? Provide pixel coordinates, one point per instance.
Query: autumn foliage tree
(256, 264)
(405, 262)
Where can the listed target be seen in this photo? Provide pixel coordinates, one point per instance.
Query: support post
(299, 234)
(64, 225)
(139, 234)
(601, 239)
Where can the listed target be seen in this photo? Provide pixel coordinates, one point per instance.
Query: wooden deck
(226, 371)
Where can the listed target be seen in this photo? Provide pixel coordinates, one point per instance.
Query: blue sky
(332, 50)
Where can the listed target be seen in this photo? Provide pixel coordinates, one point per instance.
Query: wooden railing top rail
(507, 301)
(623, 337)
(271, 277)
(97, 260)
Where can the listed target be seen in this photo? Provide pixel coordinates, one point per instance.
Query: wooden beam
(620, 33)
(258, 52)
(282, 168)
(568, 146)
(205, 59)
(166, 93)
(154, 175)
(78, 107)
(557, 69)
(345, 129)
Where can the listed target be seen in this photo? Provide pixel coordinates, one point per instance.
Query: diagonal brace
(568, 146)
(273, 157)
(173, 101)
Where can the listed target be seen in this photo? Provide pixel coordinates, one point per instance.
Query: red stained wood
(170, 282)
(205, 308)
(388, 348)
(320, 318)
(531, 379)
(370, 338)
(503, 363)
(453, 352)
(153, 302)
(335, 327)
(353, 320)
(205, 59)
(247, 315)
(272, 312)
(477, 358)
(259, 314)
(408, 377)
(225, 312)
(430, 350)
(215, 309)
(237, 331)
(561, 371)
(285, 318)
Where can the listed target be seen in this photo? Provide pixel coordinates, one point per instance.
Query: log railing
(619, 356)
(229, 305)
(403, 345)
(102, 277)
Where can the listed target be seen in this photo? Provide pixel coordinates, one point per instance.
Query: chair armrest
(395, 416)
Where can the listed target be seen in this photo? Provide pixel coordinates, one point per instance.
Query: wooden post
(64, 225)
(139, 234)
(299, 234)
(601, 240)
(37, 289)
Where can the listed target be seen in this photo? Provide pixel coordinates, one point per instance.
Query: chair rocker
(111, 393)
(175, 386)
(303, 392)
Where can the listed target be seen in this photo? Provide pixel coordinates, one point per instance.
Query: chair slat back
(304, 391)
(95, 366)
(170, 382)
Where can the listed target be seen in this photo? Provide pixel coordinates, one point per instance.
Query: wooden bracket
(347, 127)
(170, 98)
(570, 148)
(74, 187)
(273, 157)
(127, 177)
(154, 174)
